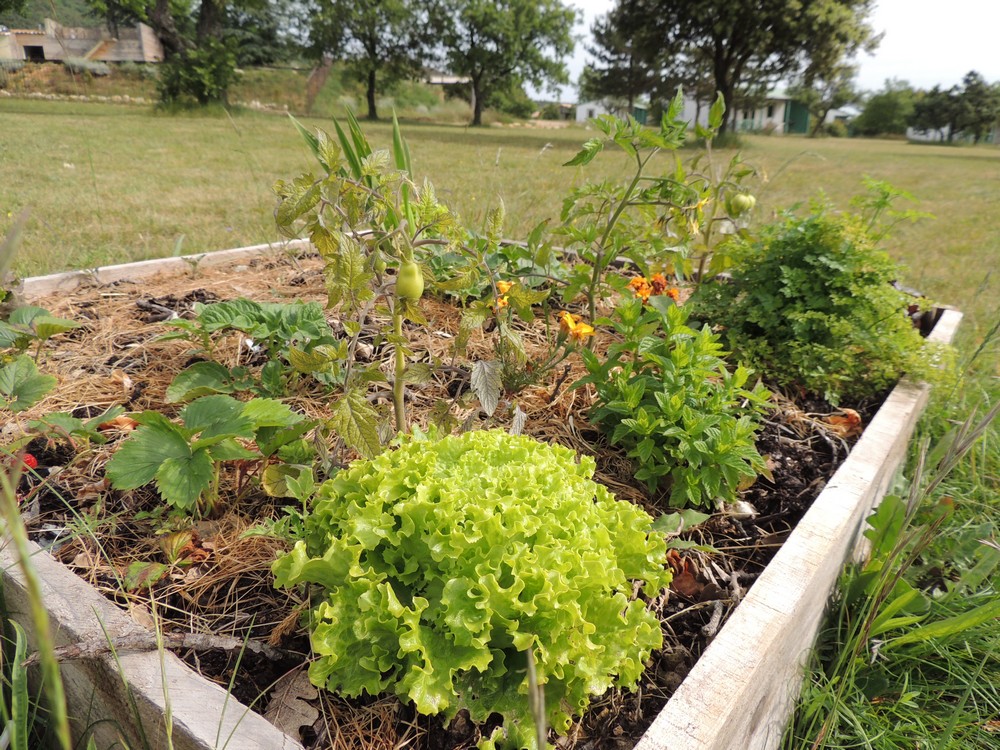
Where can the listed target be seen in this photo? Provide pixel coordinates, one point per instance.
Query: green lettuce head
(442, 562)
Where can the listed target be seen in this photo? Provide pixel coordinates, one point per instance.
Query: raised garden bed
(738, 694)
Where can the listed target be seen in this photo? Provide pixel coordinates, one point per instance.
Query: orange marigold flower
(502, 302)
(674, 294)
(659, 283)
(640, 287)
(505, 286)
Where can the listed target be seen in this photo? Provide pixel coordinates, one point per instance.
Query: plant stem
(397, 381)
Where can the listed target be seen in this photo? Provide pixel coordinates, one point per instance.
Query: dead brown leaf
(289, 707)
(846, 424)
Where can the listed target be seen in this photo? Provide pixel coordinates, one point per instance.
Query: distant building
(589, 110)
(58, 43)
(778, 114)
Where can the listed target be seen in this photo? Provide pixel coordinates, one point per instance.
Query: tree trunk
(819, 123)
(162, 22)
(477, 103)
(211, 17)
(372, 114)
(726, 89)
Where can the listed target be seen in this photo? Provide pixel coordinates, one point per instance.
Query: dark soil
(224, 587)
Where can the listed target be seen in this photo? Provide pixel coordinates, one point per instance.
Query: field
(107, 184)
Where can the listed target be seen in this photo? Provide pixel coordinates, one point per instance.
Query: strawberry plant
(29, 326)
(438, 567)
(665, 395)
(185, 460)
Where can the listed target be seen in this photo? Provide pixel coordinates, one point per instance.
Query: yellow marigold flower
(504, 286)
(502, 302)
(566, 322)
(581, 332)
(573, 327)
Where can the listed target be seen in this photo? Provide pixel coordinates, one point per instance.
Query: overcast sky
(925, 42)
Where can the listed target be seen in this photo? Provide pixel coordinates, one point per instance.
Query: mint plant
(440, 564)
(664, 393)
(184, 460)
(812, 303)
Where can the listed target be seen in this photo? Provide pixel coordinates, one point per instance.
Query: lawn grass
(108, 183)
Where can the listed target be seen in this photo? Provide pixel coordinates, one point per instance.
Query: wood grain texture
(741, 693)
(39, 286)
(204, 717)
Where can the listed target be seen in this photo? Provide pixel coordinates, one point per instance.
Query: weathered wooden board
(741, 692)
(148, 686)
(38, 286)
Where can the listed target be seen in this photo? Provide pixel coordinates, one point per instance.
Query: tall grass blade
(949, 627)
(51, 677)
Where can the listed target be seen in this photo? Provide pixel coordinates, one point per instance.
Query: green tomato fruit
(378, 263)
(739, 204)
(410, 282)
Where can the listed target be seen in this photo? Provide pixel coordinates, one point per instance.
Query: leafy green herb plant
(812, 303)
(665, 394)
(439, 564)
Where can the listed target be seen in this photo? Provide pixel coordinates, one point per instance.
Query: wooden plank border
(741, 692)
(113, 698)
(38, 286)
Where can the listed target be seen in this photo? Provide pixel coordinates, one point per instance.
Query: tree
(751, 44)
(936, 109)
(498, 42)
(888, 112)
(387, 39)
(201, 41)
(12, 6)
(978, 106)
(823, 94)
(619, 70)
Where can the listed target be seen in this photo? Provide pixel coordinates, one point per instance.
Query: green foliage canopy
(749, 44)
(387, 39)
(494, 43)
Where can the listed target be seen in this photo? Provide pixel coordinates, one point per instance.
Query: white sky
(926, 42)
